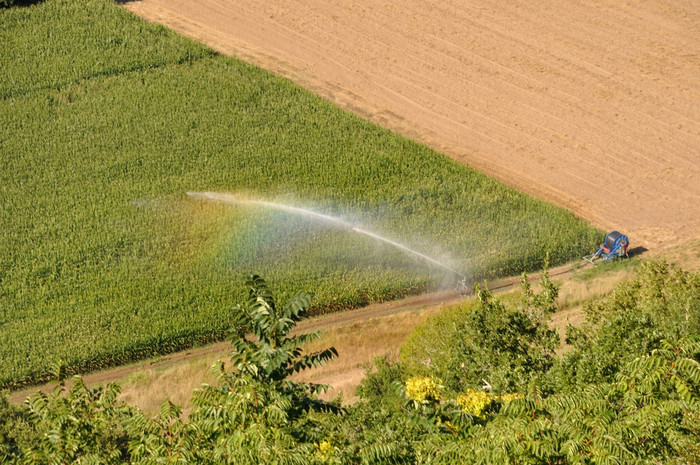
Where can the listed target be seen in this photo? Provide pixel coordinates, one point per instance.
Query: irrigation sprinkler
(615, 245)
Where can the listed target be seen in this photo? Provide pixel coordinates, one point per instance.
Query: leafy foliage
(256, 414)
(378, 386)
(14, 429)
(647, 412)
(276, 354)
(251, 416)
(259, 385)
(76, 425)
(660, 304)
(642, 417)
(488, 342)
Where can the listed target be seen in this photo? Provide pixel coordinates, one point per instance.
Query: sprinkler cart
(615, 245)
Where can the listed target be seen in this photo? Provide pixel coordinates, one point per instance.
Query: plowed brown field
(592, 105)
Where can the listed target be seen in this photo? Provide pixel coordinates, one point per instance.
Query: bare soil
(591, 105)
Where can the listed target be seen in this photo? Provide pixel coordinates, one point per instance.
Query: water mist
(232, 199)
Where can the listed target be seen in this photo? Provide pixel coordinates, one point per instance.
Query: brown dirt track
(592, 105)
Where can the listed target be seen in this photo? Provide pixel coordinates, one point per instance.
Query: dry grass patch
(685, 256)
(575, 292)
(357, 345)
(147, 389)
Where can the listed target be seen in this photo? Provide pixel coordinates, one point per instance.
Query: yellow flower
(424, 388)
(324, 450)
(505, 398)
(474, 402)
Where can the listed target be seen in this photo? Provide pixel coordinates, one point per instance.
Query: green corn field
(107, 121)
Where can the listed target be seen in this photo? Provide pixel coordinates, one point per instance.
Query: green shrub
(378, 386)
(15, 430)
(649, 414)
(487, 342)
(661, 303)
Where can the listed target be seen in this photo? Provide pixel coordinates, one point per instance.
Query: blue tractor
(615, 245)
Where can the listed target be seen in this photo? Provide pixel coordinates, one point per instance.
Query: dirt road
(592, 105)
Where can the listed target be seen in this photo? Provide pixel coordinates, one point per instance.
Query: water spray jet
(232, 199)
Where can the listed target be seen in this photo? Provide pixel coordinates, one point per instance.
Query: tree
(275, 354)
(257, 414)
